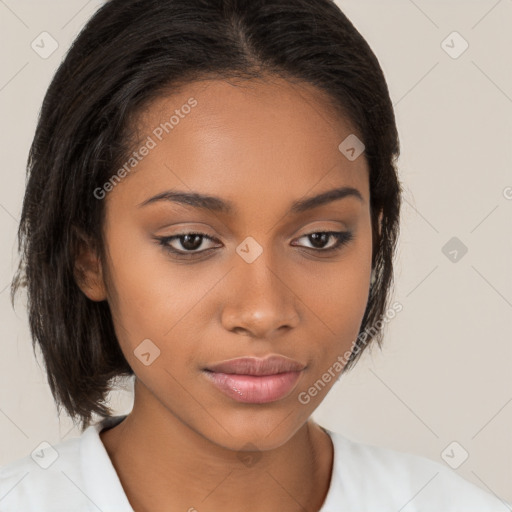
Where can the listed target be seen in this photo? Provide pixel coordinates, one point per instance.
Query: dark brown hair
(128, 54)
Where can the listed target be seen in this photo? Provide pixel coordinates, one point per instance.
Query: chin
(266, 430)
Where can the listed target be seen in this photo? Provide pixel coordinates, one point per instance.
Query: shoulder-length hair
(128, 54)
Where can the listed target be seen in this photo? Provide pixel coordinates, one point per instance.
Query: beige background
(444, 373)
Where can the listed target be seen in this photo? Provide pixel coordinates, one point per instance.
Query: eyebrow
(217, 204)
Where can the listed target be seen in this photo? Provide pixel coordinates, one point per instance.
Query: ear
(376, 237)
(88, 271)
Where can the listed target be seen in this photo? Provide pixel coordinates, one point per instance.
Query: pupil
(323, 237)
(186, 243)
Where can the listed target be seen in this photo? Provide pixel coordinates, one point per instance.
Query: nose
(260, 303)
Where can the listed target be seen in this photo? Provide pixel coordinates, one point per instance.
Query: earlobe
(88, 271)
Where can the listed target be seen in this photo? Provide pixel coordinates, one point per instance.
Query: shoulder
(75, 474)
(30, 483)
(383, 479)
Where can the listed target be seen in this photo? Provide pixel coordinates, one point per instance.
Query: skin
(261, 145)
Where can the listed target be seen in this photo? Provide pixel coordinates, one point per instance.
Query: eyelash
(342, 238)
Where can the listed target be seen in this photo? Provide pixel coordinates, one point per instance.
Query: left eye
(320, 238)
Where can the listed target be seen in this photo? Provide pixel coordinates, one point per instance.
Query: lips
(253, 366)
(253, 380)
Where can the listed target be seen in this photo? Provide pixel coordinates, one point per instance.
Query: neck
(163, 463)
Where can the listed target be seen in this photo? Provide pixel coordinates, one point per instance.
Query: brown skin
(263, 146)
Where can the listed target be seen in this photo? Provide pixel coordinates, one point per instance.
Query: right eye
(189, 242)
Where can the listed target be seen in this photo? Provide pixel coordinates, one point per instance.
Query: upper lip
(255, 366)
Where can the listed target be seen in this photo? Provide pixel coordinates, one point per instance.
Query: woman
(213, 208)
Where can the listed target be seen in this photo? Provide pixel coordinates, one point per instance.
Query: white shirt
(80, 477)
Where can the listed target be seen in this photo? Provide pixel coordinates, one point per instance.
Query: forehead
(244, 140)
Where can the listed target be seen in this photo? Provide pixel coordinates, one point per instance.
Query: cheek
(156, 298)
(144, 288)
(338, 292)
(345, 299)
(337, 307)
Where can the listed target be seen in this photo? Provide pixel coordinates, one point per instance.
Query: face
(258, 271)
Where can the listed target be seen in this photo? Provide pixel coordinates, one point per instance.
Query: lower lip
(254, 389)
